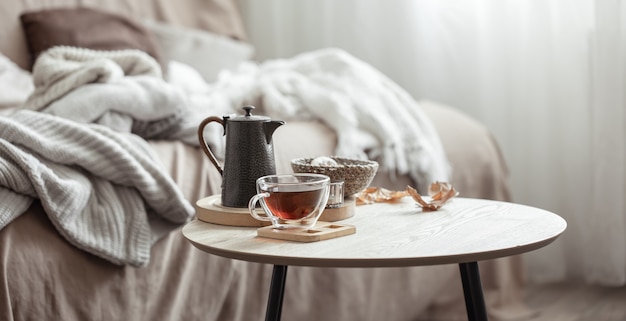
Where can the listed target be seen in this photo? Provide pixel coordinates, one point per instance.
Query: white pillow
(16, 84)
(207, 52)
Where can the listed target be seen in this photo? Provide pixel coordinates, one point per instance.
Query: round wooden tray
(211, 210)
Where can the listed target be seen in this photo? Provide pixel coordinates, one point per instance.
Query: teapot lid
(248, 115)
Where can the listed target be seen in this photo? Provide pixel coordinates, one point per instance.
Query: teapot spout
(269, 128)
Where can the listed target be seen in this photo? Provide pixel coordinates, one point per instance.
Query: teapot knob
(248, 110)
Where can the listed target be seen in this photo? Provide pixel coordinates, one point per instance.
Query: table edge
(377, 262)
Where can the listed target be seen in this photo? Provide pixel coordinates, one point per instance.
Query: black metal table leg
(473, 292)
(277, 292)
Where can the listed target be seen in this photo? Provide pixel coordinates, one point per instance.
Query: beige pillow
(207, 52)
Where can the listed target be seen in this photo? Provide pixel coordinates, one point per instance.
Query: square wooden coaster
(321, 231)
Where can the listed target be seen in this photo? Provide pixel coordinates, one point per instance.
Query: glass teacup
(291, 200)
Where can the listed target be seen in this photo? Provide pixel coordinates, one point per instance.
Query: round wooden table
(464, 231)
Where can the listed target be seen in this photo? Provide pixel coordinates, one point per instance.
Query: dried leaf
(439, 193)
(378, 194)
(418, 198)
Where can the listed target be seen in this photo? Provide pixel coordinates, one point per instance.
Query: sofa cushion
(87, 28)
(207, 52)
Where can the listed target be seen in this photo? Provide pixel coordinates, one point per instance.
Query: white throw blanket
(121, 89)
(104, 191)
(370, 113)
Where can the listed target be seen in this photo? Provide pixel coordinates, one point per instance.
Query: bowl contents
(324, 161)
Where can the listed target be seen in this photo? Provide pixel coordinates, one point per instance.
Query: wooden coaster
(211, 210)
(321, 231)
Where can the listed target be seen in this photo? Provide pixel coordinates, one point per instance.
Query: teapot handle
(204, 145)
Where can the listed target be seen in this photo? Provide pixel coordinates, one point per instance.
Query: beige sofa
(45, 277)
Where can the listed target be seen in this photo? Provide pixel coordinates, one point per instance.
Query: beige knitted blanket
(104, 191)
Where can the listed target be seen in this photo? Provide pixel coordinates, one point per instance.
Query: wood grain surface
(398, 234)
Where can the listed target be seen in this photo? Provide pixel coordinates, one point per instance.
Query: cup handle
(252, 207)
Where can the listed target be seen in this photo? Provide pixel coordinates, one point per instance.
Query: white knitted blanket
(372, 116)
(120, 89)
(103, 190)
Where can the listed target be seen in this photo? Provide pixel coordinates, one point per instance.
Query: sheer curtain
(545, 76)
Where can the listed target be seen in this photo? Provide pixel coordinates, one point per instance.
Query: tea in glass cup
(291, 200)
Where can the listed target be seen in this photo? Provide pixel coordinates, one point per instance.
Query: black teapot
(249, 154)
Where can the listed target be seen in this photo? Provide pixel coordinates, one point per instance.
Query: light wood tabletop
(397, 234)
(463, 231)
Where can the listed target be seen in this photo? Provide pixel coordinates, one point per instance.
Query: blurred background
(545, 76)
